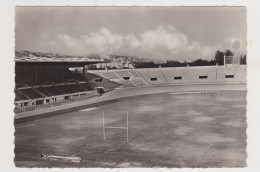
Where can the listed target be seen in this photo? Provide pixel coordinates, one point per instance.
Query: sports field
(165, 130)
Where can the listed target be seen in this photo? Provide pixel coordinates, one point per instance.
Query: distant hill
(97, 57)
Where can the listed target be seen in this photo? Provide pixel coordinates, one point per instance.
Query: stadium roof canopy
(68, 61)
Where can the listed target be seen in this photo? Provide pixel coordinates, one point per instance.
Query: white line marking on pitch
(89, 109)
(54, 157)
(186, 93)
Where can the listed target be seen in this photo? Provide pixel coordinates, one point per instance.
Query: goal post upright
(104, 132)
(127, 126)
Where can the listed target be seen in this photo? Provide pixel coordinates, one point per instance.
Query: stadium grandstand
(49, 81)
(145, 113)
(175, 75)
(43, 82)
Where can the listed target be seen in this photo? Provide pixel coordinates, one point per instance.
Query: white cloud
(131, 41)
(149, 40)
(207, 52)
(52, 43)
(165, 37)
(67, 40)
(228, 43)
(165, 41)
(103, 40)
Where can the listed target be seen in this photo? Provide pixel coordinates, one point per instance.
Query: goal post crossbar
(118, 127)
(231, 60)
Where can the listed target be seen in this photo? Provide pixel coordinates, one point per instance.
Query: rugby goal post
(231, 60)
(115, 127)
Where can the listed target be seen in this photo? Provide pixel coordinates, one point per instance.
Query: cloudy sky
(172, 33)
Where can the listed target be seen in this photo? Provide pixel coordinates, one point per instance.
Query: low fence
(183, 84)
(201, 83)
(43, 106)
(75, 99)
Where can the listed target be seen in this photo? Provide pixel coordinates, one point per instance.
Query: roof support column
(84, 72)
(35, 74)
(64, 70)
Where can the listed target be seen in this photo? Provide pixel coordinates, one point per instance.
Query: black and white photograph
(130, 87)
(122, 87)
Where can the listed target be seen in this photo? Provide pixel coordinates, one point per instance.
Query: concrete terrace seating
(134, 80)
(63, 89)
(170, 73)
(108, 84)
(85, 86)
(148, 74)
(128, 78)
(189, 75)
(110, 75)
(239, 74)
(55, 75)
(76, 87)
(177, 75)
(193, 74)
(139, 82)
(134, 73)
(205, 74)
(30, 92)
(42, 90)
(123, 73)
(74, 76)
(50, 90)
(66, 89)
(126, 83)
(19, 95)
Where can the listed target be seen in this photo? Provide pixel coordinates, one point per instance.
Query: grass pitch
(165, 130)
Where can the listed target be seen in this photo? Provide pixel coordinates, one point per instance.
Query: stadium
(68, 116)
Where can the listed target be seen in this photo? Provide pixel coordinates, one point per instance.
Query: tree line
(219, 59)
